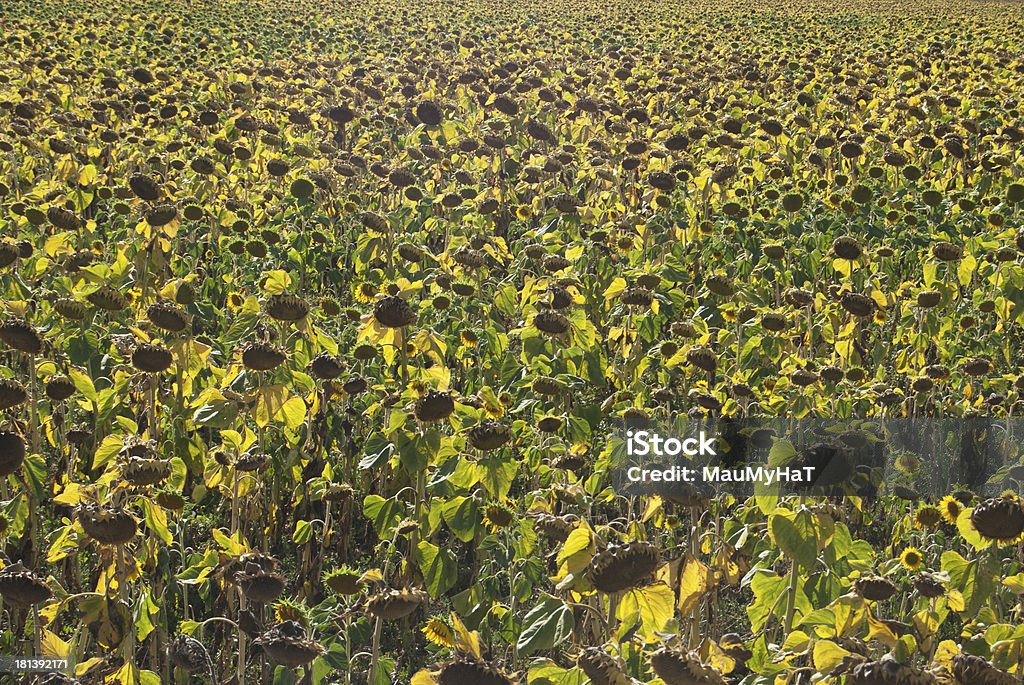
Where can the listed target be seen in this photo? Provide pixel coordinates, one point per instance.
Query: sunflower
(498, 515)
(365, 292)
(927, 517)
(911, 558)
(439, 633)
(950, 508)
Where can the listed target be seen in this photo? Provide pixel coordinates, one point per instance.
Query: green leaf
(377, 452)
(384, 513)
(216, 414)
(547, 624)
(767, 588)
(439, 567)
(35, 471)
(145, 611)
(107, 450)
(149, 678)
(796, 535)
(83, 384)
(974, 580)
(496, 475)
(549, 673)
(284, 676)
(385, 668)
(781, 453)
(462, 516)
(303, 532)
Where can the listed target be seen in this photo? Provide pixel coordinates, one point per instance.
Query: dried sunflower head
(288, 644)
(21, 587)
(395, 604)
(621, 567)
(465, 671)
(999, 519)
(874, 588)
(107, 525)
(679, 668)
(434, 405)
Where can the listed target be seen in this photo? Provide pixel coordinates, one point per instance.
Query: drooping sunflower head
(499, 515)
(344, 580)
(1000, 519)
(366, 291)
(927, 517)
(438, 632)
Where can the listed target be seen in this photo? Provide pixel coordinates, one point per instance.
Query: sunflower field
(319, 321)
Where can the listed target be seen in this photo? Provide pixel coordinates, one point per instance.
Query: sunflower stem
(378, 626)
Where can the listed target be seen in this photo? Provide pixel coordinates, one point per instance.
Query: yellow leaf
(269, 401)
(881, 632)
(71, 496)
(696, 580)
(87, 175)
(84, 667)
(423, 677)
(277, 282)
(722, 661)
(729, 571)
(49, 612)
(945, 652)
(797, 642)
(374, 575)
(126, 675)
(654, 606)
(926, 622)
(844, 348)
(965, 271)
(578, 549)
(468, 642)
(617, 286)
(828, 655)
(955, 601)
(654, 508)
(229, 544)
(58, 244)
(53, 646)
(292, 412)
